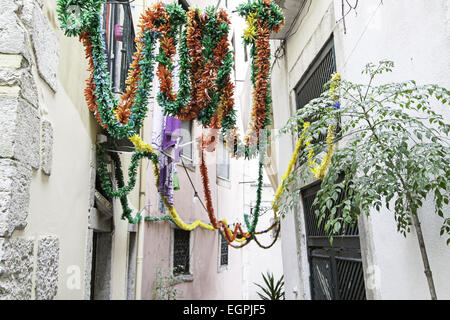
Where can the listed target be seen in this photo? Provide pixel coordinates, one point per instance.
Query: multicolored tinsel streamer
(205, 84)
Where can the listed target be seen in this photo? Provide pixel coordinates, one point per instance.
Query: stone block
(13, 37)
(10, 61)
(45, 44)
(16, 268)
(20, 78)
(47, 147)
(47, 267)
(20, 123)
(15, 180)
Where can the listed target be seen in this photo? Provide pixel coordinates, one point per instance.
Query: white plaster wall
(415, 34)
(59, 202)
(256, 259)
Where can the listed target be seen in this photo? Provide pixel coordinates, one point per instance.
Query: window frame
(180, 278)
(191, 145)
(222, 267)
(220, 152)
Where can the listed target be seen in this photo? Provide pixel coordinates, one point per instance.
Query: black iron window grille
(184, 4)
(223, 251)
(181, 252)
(311, 85)
(119, 39)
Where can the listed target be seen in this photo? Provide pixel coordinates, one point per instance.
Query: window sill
(222, 268)
(182, 278)
(223, 182)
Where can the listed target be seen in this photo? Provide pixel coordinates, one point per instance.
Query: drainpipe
(141, 231)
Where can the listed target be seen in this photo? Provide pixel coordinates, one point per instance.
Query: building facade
(316, 42)
(60, 238)
(211, 268)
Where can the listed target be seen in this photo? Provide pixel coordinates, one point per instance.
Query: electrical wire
(192, 184)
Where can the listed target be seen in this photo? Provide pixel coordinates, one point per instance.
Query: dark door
(336, 271)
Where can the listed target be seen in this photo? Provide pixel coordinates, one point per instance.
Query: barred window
(223, 251)
(181, 248)
(311, 85)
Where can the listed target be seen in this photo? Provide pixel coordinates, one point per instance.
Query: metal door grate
(336, 270)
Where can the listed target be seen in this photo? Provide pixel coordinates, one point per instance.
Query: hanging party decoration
(205, 92)
(263, 17)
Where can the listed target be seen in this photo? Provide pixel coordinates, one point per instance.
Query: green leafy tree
(270, 289)
(393, 150)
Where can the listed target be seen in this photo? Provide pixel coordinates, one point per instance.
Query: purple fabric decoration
(172, 131)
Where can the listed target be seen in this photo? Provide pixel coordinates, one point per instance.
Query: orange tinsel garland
(229, 236)
(123, 111)
(260, 91)
(226, 102)
(90, 85)
(194, 28)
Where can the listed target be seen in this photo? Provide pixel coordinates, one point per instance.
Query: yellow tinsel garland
(250, 31)
(280, 190)
(319, 170)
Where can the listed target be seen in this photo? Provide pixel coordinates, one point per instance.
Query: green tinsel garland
(213, 32)
(81, 16)
(123, 190)
(273, 14)
(212, 35)
(106, 100)
(177, 18)
(251, 227)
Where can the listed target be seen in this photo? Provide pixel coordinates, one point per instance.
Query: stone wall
(28, 47)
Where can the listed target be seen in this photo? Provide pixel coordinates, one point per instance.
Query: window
(311, 85)
(186, 134)
(223, 160)
(184, 4)
(223, 251)
(317, 75)
(118, 26)
(181, 251)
